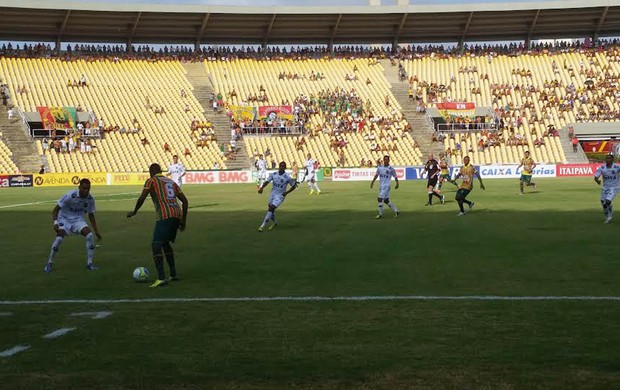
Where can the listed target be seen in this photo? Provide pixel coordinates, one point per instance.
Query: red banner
(4, 181)
(574, 170)
(46, 116)
(598, 146)
(456, 106)
(276, 112)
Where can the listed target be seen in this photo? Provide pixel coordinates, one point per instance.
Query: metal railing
(464, 128)
(47, 133)
(259, 131)
(26, 128)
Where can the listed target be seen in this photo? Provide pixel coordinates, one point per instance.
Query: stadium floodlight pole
(61, 31)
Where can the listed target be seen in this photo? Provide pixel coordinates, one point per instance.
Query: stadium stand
(126, 95)
(6, 164)
(323, 88)
(530, 94)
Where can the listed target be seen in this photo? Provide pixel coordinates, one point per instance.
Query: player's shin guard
(316, 187)
(170, 259)
(430, 197)
(460, 202)
(158, 258)
(393, 207)
(90, 247)
(380, 208)
(273, 217)
(55, 248)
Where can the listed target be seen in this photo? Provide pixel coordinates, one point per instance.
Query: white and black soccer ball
(141, 274)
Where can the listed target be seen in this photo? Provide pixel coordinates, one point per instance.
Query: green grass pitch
(551, 242)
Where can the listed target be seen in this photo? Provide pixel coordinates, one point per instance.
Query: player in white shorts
(280, 180)
(610, 173)
(176, 171)
(68, 216)
(385, 173)
(311, 175)
(261, 166)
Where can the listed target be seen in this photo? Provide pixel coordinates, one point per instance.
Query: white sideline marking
(58, 333)
(6, 314)
(9, 206)
(95, 315)
(16, 349)
(314, 299)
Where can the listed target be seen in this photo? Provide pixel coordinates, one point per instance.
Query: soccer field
(429, 300)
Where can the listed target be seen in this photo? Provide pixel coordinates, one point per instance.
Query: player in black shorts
(432, 170)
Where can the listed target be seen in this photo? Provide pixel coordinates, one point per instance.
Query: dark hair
(84, 181)
(154, 169)
(175, 156)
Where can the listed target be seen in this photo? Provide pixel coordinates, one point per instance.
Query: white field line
(316, 299)
(58, 333)
(6, 314)
(16, 349)
(10, 206)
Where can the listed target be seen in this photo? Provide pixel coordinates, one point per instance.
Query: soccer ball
(141, 274)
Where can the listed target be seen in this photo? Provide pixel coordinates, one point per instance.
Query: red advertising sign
(575, 170)
(456, 106)
(276, 111)
(4, 181)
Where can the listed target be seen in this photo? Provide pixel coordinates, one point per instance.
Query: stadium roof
(68, 21)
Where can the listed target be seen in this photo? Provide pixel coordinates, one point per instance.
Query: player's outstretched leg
(393, 207)
(607, 210)
(90, 251)
(310, 187)
(274, 220)
(158, 259)
(380, 215)
(55, 248)
(267, 218)
(316, 187)
(169, 253)
(460, 199)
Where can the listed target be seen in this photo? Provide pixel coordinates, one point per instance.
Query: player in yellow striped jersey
(528, 165)
(467, 174)
(164, 193)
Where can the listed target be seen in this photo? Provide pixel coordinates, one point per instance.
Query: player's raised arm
(597, 176)
(185, 202)
(145, 192)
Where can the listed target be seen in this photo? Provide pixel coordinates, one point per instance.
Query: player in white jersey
(280, 180)
(311, 175)
(611, 180)
(68, 216)
(176, 170)
(261, 166)
(385, 173)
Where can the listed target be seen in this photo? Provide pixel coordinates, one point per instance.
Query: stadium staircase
(422, 129)
(25, 154)
(198, 77)
(572, 157)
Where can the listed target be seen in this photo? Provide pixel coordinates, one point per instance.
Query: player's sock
(158, 259)
(436, 194)
(460, 202)
(170, 260)
(267, 219)
(393, 207)
(430, 198)
(55, 248)
(90, 247)
(273, 218)
(467, 202)
(439, 185)
(380, 208)
(316, 186)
